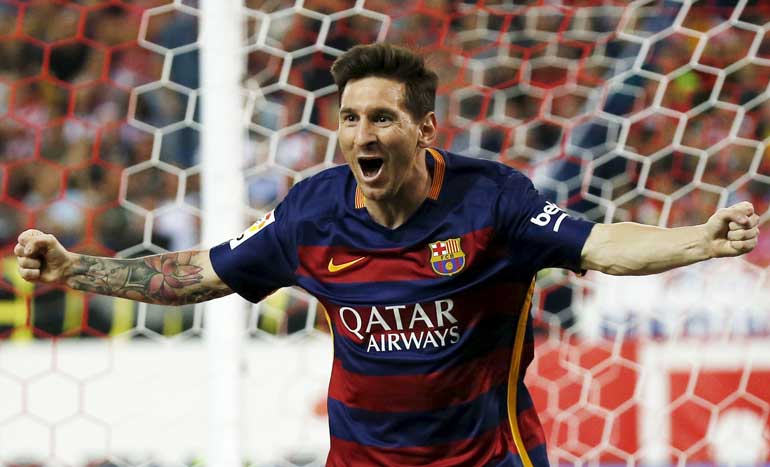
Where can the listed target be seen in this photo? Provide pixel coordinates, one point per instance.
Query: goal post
(223, 196)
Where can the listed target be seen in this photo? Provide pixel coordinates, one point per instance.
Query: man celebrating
(425, 263)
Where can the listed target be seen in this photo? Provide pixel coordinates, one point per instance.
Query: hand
(733, 231)
(41, 257)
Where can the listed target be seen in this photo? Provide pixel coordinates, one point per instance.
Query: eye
(348, 118)
(382, 119)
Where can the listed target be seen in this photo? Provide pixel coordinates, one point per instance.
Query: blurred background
(656, 112)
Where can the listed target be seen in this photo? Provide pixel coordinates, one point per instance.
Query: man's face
(377, 136)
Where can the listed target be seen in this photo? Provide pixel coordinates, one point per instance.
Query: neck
(393, 212)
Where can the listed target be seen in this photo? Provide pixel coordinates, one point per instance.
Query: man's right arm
(175, 278)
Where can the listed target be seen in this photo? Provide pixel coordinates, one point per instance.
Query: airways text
(402, 327)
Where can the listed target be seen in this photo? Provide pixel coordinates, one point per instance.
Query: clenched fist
(41, 257)
(733, 231)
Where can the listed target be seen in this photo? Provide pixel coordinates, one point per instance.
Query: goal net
(648, 111)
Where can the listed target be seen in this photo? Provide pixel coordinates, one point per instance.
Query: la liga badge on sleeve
(447, 257)
(254, 229)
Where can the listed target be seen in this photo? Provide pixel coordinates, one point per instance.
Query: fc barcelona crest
(447, 257)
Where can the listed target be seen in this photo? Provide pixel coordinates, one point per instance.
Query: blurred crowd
(66, 74)
(67, 71)
(70, 125)
(731, 151)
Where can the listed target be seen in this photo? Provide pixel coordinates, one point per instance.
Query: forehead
(373, 91)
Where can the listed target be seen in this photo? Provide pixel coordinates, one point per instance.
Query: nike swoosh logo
(339, 267)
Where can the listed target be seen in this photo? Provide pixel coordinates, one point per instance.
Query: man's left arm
(627, 248)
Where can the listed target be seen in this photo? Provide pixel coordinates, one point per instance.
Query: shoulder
(490, 186)
(320, 195)
(483, 174)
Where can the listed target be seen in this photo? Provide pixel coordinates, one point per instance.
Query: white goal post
(223, 195)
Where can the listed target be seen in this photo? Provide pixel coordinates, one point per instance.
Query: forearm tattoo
(166, 279)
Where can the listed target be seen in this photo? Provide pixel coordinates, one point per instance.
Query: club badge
(447, 257)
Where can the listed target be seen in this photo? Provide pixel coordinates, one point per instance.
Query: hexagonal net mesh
(654, 112)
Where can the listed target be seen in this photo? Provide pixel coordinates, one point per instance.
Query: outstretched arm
(627, 248)
(176, 278)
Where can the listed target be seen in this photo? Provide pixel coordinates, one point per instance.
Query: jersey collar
(439, 167)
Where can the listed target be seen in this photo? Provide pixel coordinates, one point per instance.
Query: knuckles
(29, 274)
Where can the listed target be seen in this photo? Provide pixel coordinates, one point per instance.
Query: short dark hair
(392, 62)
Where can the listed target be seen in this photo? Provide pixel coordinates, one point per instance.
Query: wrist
(706, 244)
(69, 268)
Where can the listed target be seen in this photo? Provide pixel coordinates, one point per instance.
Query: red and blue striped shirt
(430, 321)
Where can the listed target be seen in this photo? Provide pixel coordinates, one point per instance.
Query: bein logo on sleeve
(544, 218)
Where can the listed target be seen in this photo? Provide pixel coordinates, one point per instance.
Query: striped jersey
(430, 320)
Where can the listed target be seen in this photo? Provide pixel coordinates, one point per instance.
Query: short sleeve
(538, 233)
(260, 260)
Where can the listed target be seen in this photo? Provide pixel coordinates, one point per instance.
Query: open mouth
(371, 166)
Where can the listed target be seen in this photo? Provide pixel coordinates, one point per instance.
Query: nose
(365, 134)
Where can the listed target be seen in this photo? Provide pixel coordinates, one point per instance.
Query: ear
(428, 131)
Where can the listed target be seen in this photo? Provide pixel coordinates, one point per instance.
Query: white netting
(649, 111)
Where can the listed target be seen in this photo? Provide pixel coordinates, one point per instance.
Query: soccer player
(425, 263)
